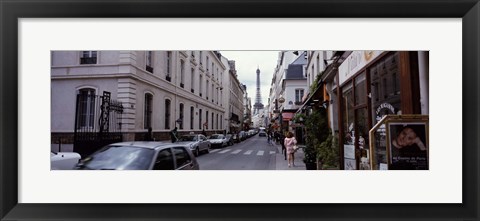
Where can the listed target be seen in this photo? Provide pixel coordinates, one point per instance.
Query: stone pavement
(282, 164)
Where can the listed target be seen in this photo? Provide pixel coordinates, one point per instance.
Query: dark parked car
(242, 135)
(236, 138)
(141, 156)
(230, 140)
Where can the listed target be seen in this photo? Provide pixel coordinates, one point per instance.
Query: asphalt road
(251, 154)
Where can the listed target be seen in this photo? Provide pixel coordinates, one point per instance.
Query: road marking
(213, 151)
(248, 152)
(224, 151)
(236, 151)
(260, 153)
(272, 152)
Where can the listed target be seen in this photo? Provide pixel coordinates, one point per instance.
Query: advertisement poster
(408, 146)
(350, 164)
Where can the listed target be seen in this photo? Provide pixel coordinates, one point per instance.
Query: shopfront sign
(382, 110)
(354, 62)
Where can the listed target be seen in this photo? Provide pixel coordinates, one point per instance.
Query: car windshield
(188, 138)
(216, 136)
(119, 158)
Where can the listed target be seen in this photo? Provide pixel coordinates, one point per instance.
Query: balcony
(88, 60)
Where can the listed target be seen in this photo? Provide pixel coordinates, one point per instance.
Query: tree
(317, 132)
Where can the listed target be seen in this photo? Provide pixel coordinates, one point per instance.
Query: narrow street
(252, 154)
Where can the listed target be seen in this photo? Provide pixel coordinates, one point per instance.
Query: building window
(206, 119)
(207, 64)
(86, 108)
(88, 57)
(201, 53)
(182, 73)
(192, 84)
(193, 54)
(298, 95)
(169, 66)
(200, 87)
(207, 91)
(147, 117)
(212, 119)
(221, 121)
(217, 122)
(192, 115)
(200, 124)
(385, 87)
(148, 61)
(181, 117)
(167, 114)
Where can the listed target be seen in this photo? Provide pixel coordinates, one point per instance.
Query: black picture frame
(12, 10)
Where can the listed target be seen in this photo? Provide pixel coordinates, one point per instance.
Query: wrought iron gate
(97, 122)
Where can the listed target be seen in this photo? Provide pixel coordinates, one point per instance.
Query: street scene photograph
(239, 110)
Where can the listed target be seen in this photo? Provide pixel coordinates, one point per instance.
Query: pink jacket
(290, 142)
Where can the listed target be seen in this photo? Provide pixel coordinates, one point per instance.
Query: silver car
(196, 142)
(218, 140)
(141, 156)
(63, 160)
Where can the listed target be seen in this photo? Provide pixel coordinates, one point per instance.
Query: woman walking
(289, 142)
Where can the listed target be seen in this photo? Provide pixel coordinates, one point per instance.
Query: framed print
(31, 30)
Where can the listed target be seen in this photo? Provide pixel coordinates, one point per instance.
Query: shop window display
(385, 94)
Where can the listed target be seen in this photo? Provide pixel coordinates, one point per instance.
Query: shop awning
(287, 116)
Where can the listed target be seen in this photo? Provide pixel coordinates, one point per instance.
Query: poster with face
(408, 146)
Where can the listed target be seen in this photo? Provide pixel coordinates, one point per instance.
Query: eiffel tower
(258, 106)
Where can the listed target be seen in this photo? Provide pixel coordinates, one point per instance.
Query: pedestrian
(203, 132)
(174, 135)
(148, 136)
(268, 138)
(282, 141)
(289, 142)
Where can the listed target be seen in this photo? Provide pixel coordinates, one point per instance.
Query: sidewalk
(282, 164)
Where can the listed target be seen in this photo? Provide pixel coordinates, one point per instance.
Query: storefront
(373, 84)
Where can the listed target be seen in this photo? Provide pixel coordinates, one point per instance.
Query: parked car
(230, 140)
(218, 140)
(242, 135)
(236, 138)
(141, 155)
(196, 142)
(262, 133)
(64, 160)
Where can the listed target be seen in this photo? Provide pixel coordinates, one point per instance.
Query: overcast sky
(246, 63)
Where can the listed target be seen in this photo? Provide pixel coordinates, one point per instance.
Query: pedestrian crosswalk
(244, 152)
